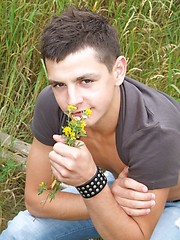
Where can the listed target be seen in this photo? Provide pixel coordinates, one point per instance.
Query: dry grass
(149, 33)
(12, 181)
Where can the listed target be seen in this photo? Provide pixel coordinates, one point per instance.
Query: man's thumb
(124, 173)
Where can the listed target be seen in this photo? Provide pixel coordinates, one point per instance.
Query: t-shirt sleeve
(48, 117)
(153, 154)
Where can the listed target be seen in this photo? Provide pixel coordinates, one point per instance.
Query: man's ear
(119, 70)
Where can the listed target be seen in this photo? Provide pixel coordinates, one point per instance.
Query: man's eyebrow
(88, 75)
(51, 82)
(85, 76)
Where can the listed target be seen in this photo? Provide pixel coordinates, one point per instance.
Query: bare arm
(134, 197)
(112, 222)
(75, 166)
(65, 205)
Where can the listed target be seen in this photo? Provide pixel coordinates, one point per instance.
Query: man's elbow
(34, 205)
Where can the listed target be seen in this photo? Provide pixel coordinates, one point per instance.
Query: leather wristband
(94, 185)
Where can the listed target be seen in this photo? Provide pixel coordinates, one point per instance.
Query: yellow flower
(42, 184)
(74, 130)
(88, 112)
(83, 131)
(67, 131)
(83, 124)
(71, 108)
(73, 121)
(72, 136)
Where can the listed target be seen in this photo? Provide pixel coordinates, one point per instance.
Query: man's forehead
(85, 51)
(77, 78)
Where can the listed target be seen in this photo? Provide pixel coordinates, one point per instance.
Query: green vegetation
(149, 33)
(12, 181)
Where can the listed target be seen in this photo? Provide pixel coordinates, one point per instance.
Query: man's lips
(77, 114)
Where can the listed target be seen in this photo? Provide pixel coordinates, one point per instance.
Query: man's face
(81, 80)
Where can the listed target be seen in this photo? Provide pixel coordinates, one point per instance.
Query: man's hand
(71, 165)
(132, 196)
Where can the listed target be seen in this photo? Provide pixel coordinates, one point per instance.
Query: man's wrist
(94, 186)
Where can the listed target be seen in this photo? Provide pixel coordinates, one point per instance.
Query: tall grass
(149, 33)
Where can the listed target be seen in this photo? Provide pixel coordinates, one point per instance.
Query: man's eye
(86, 81)
(58, 85)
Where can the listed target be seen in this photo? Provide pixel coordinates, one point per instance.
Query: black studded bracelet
(94, 185)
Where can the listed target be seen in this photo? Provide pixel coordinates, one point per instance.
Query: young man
(133, 132)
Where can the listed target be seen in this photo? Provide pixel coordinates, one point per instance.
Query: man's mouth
(77, 114)
(80, 114)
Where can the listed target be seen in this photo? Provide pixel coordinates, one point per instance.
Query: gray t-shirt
(147, 134)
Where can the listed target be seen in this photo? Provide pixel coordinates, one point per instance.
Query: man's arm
(112, 222)
(75, 166)
(38, 170)
(65, 205)
(134, 197)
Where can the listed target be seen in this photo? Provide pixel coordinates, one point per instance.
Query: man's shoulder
(46, 100)
(154, 103)
(143, 108)
(46, 94)
(147, 92)
(48, 117)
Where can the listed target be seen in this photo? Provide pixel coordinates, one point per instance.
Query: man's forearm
(65, 206)
(110, 219)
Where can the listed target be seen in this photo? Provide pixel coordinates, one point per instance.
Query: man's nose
(74, 97)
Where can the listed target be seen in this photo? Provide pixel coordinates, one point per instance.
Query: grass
(149, 33)
(12, 181)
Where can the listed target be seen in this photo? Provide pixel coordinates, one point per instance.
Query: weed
(12, 182)
(149, 33)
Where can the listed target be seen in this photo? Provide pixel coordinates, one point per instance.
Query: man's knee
(21, 227)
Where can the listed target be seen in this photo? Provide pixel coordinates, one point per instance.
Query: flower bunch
(74, 130)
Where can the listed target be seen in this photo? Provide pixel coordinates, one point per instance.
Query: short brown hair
(76, 29)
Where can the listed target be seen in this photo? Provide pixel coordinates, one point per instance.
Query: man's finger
(124, 173)
(136, 212)
(130, 183)
(134, 204)
(58, 138)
